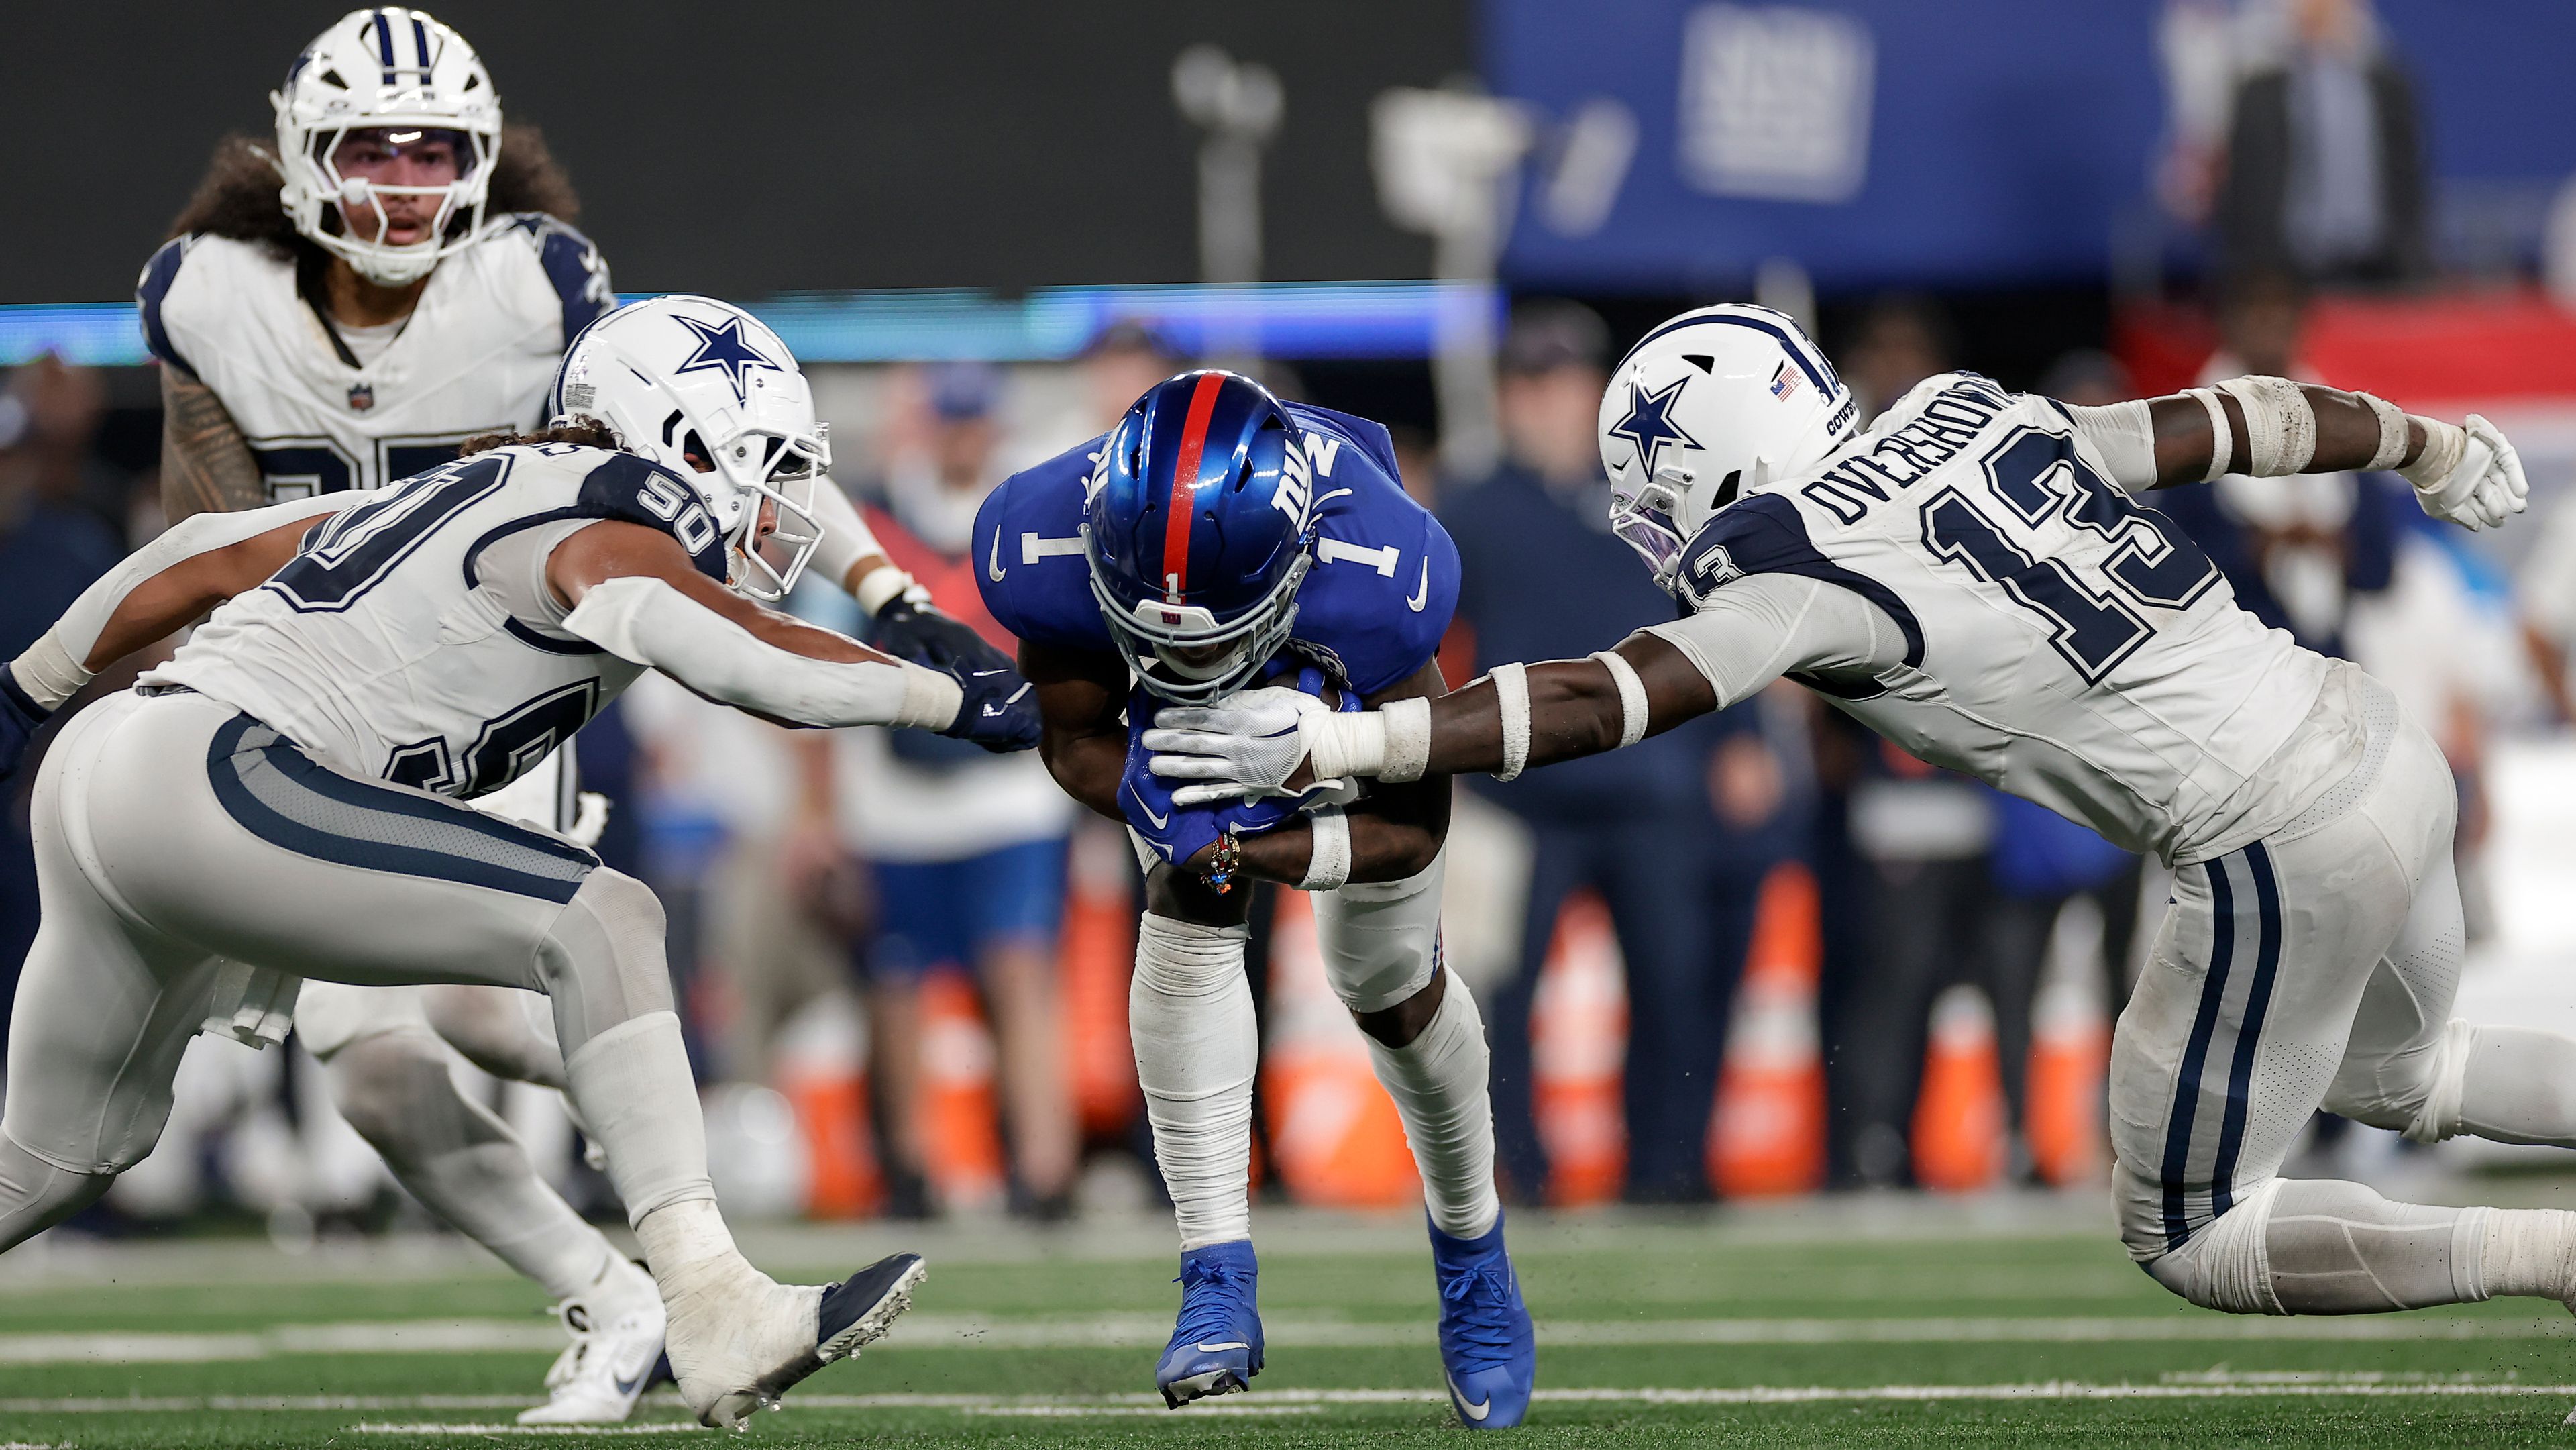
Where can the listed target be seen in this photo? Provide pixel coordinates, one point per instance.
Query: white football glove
(2470, 476)
(1245, 745)
(590, 819)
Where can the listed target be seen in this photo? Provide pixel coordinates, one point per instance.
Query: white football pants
(173, 833)
(2315, 968)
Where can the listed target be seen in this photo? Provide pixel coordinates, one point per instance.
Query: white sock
(690, 1251)
(2530, 1251)
(1189, 1014)
(633, 1087)
(1438, 1083)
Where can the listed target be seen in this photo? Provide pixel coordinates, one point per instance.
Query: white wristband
(1328, 865)
(1407, 753)
(2281, 426)
(2444, 445)
(1511, 695)
(48, 673)
(1632, 696)
(2393, 433)
(881, 585)
(2221, 446)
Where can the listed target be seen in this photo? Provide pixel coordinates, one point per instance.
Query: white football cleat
(605, 1370)
(736, 1359)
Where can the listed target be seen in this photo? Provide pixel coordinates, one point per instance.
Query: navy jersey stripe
(286, 798)
(2249, 1028)
(151, 291)
(1765, 535)
(2195, 1055)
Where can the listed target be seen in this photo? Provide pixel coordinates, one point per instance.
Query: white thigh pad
(1381, 941)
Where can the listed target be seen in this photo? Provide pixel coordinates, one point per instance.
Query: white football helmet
(704, 389)
(1706, 408)
(394, 70)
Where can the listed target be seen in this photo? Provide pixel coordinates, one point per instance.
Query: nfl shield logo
(362, 396)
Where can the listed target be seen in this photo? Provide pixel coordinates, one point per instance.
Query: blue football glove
(19, 718)
(1000, 711)
(910, 627)
(1177, 832)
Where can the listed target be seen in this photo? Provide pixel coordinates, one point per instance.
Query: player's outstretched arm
(635, 593)
(1391, 834)
(2271, 427)
(194, 566)
(205, 465)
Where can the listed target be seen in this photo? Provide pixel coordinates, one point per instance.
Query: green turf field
(1870, 1324)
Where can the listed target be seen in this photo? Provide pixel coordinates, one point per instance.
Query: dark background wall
(748, 148)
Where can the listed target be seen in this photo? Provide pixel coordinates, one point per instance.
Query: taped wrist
(1338, 745)
(1407, 751)
(2280, 425)
(1632, 696)
(1329, 864)
(2392, 431)
(880, 587)
(47, 674)
(1511, 695)
(2444, 443)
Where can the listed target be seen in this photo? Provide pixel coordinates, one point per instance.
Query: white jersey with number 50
(2059, 641)
(477, 354)
(413, 638)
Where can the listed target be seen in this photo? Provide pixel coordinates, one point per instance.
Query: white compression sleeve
(643, 619)
(57, 665)
(2125, 435)
(1189, 1014)
(1759, 628)
(846, 536)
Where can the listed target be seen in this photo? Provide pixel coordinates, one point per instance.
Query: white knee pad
(2438, 1117)
(1381, 941)
(2225, 1266)
(602, 959)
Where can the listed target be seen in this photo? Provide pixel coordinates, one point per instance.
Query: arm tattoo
(205, 465)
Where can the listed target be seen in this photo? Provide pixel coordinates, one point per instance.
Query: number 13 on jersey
(2093, 594)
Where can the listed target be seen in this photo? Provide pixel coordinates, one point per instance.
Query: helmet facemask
(354, 202)
(1181, 653)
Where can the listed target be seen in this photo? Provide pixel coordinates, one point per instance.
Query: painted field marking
(1139, 1331)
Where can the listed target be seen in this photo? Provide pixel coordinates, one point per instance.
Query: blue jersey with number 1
(1370, 613)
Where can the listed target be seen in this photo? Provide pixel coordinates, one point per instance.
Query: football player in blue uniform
(1215, 540)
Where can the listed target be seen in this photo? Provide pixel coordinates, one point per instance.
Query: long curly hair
(238, 197)
(588, 433)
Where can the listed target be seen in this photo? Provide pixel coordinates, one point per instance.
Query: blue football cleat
(1216, 1347)
(1486, 1344)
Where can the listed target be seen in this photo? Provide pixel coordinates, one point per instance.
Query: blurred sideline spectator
(1545, 578)
(1901, 340)
(2297, 551)
(53, 542)
(966, 848)
(2325, 172)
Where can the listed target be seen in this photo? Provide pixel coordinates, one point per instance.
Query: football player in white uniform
(285, 798)
(398, 275)
(1970, 577)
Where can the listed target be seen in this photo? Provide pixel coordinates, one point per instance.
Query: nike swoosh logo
(1206, 1348)
(630, 1386)
(993, 569)
(1421, 591)
(1476, 1412)
(1160, 823)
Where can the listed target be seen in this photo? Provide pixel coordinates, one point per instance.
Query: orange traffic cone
(960, 1137)
(1097, 957)
(821, 1069)
(2070, 1051)
(1578, 1049)
(1335, 1138)
(1768, 1133)
(1959, 1116)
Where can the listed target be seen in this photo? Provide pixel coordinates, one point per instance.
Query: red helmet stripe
(1185, 477)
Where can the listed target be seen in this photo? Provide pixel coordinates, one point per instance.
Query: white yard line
(2213, 1386)
(1143, 1331)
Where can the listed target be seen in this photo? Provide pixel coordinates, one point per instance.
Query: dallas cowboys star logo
(1649, 424)
(723, 348)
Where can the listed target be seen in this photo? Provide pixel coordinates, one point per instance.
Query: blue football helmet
(1199, 527)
